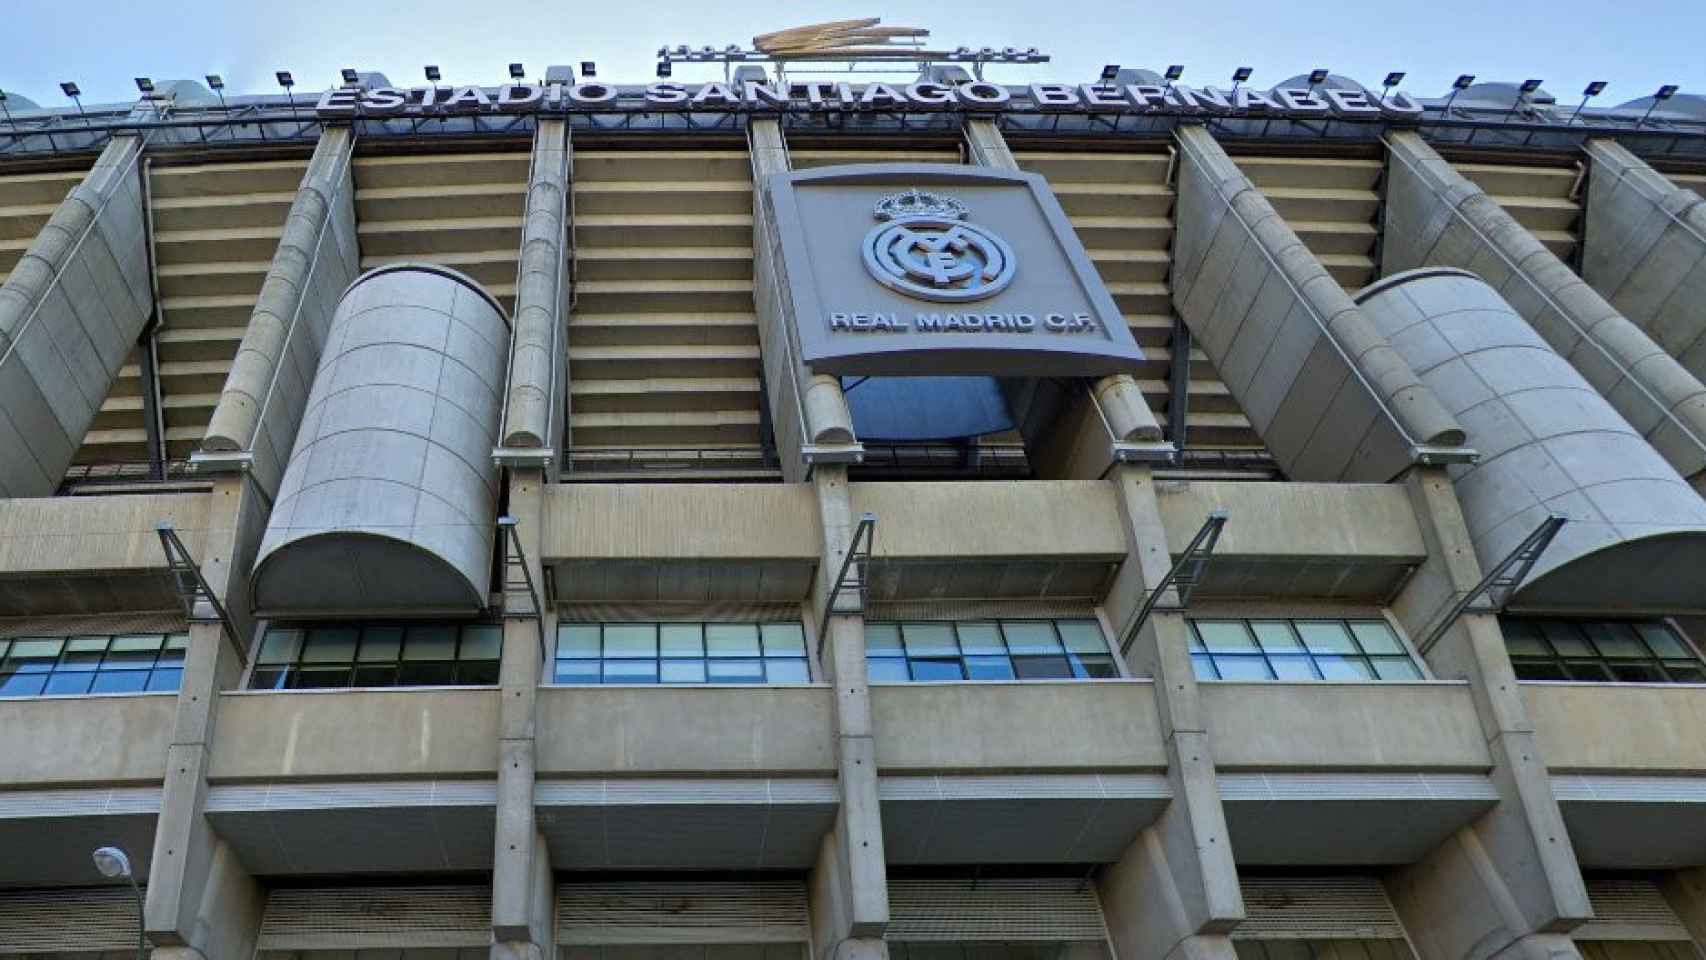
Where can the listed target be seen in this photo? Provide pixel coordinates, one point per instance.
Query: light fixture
(663, 68)
(1659, 96)
(351, 78)
(287, 81)
(432, 73)
(516, 72)
(1239, 76)
(113, 863)
(69, 88)
(1529, 86)
(1317, 77)
(1463, 82)
(144, 85)
(1173, 73)
(1392, 80)
(216, 83)
(1590, 91)
(7, 113)
(1110, 72)
(1523, 93)
(588, 69)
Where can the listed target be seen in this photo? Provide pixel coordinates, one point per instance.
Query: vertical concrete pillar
(849, 883)
(70, 312)
(806, 408)
(522, 923)
(1174, 893)
(534, 415)
(1330, 397)
(254, 424)
(1508, 884)
(1644, 250)
(201, 904)
(1129, 418)
(1437, 217)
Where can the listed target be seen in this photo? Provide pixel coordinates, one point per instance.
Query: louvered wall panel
(351, 918)
(980, 610)
(27, 200)
(1629, 909)
(1352, 908)
(1121, 206)
(163, 621)
(642, 612)
(1330, 203)
(67, 920)
(1046, 909)
(770, 911)
(1543, 199)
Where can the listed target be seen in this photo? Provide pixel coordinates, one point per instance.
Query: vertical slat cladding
(1121, 206)
(636, 912)
(215, 229)
(1330, 203)
(74, 920)
(1045, 909)
(351, 918)
(1312, 908)
(663, 340)
(1539, 198)
(27, 200)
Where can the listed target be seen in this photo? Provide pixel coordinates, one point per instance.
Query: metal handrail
(1656, 201)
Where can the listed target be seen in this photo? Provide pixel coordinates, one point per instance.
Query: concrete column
(849, 883)
(1174, 893)
(1508, 884)
(522, 922)
(266, 391)
(1330, 397)
(70, 312)
(1645, 250)
(201, 904)
(1437, 217)
(1686, 891)
(806, 408)
(534, 415)
(1119, 396)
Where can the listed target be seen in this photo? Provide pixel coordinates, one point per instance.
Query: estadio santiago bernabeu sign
(920, 269)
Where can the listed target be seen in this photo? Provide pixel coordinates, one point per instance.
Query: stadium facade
(938, 519)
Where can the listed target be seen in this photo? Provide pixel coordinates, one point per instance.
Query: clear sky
(102, 44)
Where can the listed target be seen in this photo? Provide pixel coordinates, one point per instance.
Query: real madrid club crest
(925, 248)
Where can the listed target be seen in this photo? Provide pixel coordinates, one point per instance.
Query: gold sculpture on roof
(847, 39)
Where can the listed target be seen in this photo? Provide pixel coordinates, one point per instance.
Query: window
(308, 656)
(681, 653)
(987, 650)
(123, 663)
(1627, 651)
(1299, 650)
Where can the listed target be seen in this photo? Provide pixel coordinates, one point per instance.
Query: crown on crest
(919, 203)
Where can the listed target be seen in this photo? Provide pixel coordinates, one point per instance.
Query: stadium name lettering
(962, 322)
(1299, 103)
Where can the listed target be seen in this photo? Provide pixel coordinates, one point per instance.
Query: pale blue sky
(102, 44)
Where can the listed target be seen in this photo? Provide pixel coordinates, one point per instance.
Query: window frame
(172, 644)
(998, 619)
(1293, 614)
(658, 659)
(1696, 655)
(264, 628)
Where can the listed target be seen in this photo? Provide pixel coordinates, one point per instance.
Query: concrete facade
(537, 368)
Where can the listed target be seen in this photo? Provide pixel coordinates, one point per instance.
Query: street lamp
(112, 862)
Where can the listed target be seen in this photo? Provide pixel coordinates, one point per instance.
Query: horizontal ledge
(349, 794)
(686, 791)
(1315, 787)
(1042, 786)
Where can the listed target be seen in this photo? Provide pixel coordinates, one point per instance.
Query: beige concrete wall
(1621, 728)
(1071, 726)
(368, 734)
(662, 521)
(1025, 518)
(1280, 520)
(680, 730)
(103, 740)
(1327, 726)
(96, 534)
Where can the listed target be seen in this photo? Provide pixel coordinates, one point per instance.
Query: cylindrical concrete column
(537, 376)
(390, 498)
(1549, 443)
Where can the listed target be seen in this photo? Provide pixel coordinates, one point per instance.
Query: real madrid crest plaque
(935, 269)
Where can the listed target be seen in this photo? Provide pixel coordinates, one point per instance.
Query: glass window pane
(980, 638)
(380, 643)
(1325, 636)
(730, 670)
(783, 639)
(1615, 640)
(177, 641)
(578, 640)
(1276, 636)
(329, 645)
(628, 640)
(1343, 668)
(630, 671)
(882, 638)
(1523, 639)
(936, 670)
(577, 671)
(68, 683)
(167, 680)
(96, 645)
(929, 639)
(280, 646)
(1233, 667)
(1685, 671)
(681, 639)
(786, 670)
(120, 681)
(1662, 641)
(482, 641)
(989, 668)
(1030, 636)
(268, 678)
(22, 684)
(682, 671)
(1637, 671)
(1590, 671)
(477, 672)
(1099, 666)
(1203, 667)
(1376, 636)
(887, 670)
(430, 642)
(1082, 636)
(1565, 638)
(1293, 666)
(129, 659)
(1228, 636)
(82, 653)
(35, 654)
(731, 640)
(1395, 668)
(373, 675)
(1042, 668)
(1538, 670)
(137, 643)
(425, 673)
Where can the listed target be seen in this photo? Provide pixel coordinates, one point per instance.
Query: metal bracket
(1143, 452)
(520, 596)
(200, 604)
(1187, 572)
(538, 458)
(857, 563)
(1433, 456)
(815, 453)
(1505, 577)
(234, 461)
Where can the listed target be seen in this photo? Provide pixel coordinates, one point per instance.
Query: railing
(85, 479)
(602, 463)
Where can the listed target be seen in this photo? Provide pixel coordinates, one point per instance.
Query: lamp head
(432, 73)
(589, 69)
(1529, 86)
(1174, 72)
(351, 78)
(112, 862)
(1394, 78)
(144, 85)
(1463, 82)
(1109, 72)
(285, 80)
(1242, 74)
(1666, 92)
(1317, 76)
(215, 82)
(516, 72)
(664, 69)
(69, 88)
(1594, 89)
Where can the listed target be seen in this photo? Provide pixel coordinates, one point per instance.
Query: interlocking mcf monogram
(926, 249)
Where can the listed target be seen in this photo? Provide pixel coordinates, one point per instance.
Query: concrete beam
(1644, 250)
(266, 391)
(1330, 397)
(534, 415)
(806, 409)
(1436, 217)
(1508, 884)
(70, 313)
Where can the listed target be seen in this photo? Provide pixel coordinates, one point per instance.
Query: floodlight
(1529, 86)
(215, 82)
(1110, 72)
(516, 72)
(1590, 91)
(285, 80)
(1174, 72)
(588, 69)
(351, 78)
(112, 862)
(663, 68)
(1242, 74)
(432, 73)
(70, 89)
(1317, 76)
(144, 85)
